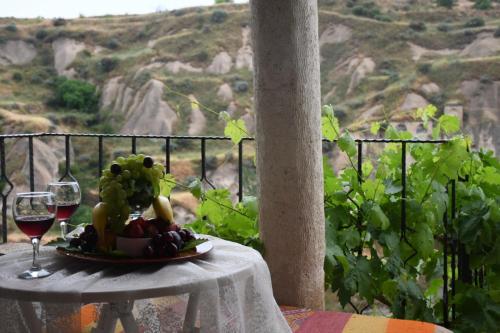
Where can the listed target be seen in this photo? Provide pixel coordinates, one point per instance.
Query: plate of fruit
(134, 223)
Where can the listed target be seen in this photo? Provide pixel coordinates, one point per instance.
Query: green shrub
(201, 56)
(482, 4)
(474, 22)
(424, 68)
(57, 22)
(446, 3)
(36, 79)
(368, 9)
(17, 77)
(223, 1)
(179, 12)
(75, 94)
(417, 26)
(11, 27)
(218, 16)
(383, 18)
(496, 34)
(443, 27)
(106, 65)
(113, 44)
(41, 34)
(241, 86)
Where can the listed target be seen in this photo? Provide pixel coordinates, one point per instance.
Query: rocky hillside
(379, 60)
(173, 72)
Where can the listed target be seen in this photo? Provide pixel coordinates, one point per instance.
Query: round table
(228, 290)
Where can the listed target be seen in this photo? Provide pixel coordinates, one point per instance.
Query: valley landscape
(173, 73)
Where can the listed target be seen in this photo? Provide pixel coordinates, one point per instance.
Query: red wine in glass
(34, 214)
(34, 226)
(68, 198)
(65, 211)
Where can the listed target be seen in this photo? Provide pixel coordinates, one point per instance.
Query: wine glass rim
(34, 194)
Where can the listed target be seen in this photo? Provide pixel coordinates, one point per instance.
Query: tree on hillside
(446, 3)
(482, 4)
(223, 1)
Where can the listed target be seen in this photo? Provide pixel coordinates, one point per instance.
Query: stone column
(289, 157)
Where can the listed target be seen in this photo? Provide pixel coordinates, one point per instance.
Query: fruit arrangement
(166, 239)
(133, 184)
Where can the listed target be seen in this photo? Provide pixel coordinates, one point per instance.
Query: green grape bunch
(129, 183)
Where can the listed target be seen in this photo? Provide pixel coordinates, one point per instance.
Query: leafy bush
(474, 22)
(443, 27)
(11, 27)
(241, 86)
(201, 56)
(223, 1)
(446, 3)
(17, 77)
(113, 44)
(417, 26)
(369, 10)
(496, 34)
(57, 22)
(36, 79)
(382, 18)
(218, 216)
(41, 34)
(366, 254)
(218, 16)
(424, 68)
(178, 12)
(482, 4)
(106, 65)
(75, 94)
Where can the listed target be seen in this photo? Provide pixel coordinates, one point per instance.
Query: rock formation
(150, 114)
(17, 52)
(221, 64)
(65, 51)
(244, 58)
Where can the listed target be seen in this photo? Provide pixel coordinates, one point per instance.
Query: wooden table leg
(191, 312)
(107, 320)
(32, 321)
(110, 314)
(126, 317)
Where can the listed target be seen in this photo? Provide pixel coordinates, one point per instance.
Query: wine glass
(34, 214)
(67, 197)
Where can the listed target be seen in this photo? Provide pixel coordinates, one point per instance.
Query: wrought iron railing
(453, 251)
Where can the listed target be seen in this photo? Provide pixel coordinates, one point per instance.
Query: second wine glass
(67, 197)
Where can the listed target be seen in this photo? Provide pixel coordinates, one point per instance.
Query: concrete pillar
(289, 158)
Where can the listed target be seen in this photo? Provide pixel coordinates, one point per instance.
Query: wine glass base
(30, 275)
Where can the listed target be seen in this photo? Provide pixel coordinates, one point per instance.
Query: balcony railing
(453, 252)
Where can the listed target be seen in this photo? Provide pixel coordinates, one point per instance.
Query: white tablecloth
(232, 285)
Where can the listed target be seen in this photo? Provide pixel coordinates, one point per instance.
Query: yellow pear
(163, 209)
(99, 221)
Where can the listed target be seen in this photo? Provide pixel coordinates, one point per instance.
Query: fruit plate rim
(199, 251)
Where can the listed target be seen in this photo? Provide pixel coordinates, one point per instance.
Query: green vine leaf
(236, 130)
(167, 184)
(375, 127)
(449, 124)
(329, 124)
(347, 144)
(195, 188)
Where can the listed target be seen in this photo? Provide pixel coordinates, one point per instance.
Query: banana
(163, 209)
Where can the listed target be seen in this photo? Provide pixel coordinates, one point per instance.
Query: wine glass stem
(64, 229)
(35, 266)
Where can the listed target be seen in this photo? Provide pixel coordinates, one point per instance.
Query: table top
(78, 281)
